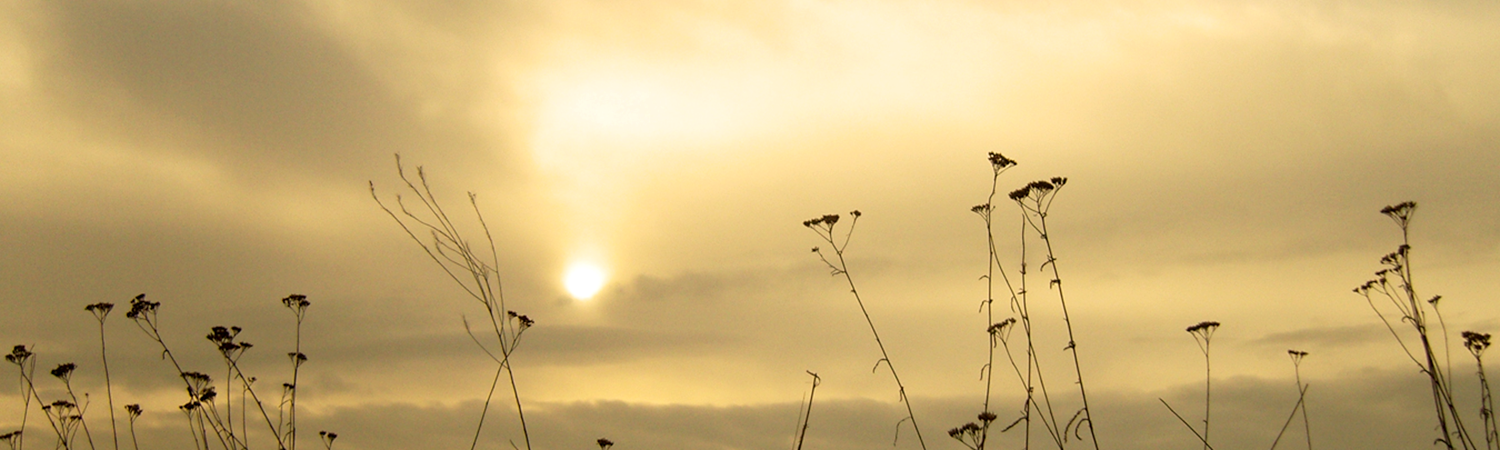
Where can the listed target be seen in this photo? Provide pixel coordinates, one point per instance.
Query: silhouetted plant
(479, 277)
(824, 227)
(327, 439)
(1477, 343)
(998, 164)
(1203, 334)
(805, 416)
(133, 411)
(101, 311)
(64, 373)
(201, 410)
(1301, 404)
(1035, 200)
(298, 304)
(22, 358)
(1394, 284)
(11, 439)
(605, 444)
(66, 417)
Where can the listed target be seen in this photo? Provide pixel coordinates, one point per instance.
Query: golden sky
(1226, 161)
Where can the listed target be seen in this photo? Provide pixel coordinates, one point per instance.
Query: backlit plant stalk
(21, 357)
(1035, 200)
(976, 434)
(298, 304)
(133, 411)
(1301, 404)
(64, 372)
(101, 311)
(1394, 284)
(824, 227)
(200, 409)
(807, 414)
(998, 164)
(479, 278)
(1203, 334)
(1477, 343)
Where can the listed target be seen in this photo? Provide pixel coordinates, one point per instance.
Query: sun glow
(584, 280)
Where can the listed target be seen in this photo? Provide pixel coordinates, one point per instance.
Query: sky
(1226, 160)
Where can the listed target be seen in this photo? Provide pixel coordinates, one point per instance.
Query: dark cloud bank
(1361, 410)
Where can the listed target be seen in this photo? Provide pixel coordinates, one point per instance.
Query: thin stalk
(824, 227)
(1068, 321)
(1301, 402)
(454, 254)
(101, 311)
(807, 418)
(1203, 334)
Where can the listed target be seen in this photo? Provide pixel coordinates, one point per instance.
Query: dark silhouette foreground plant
(1301, 404)
(805, 415)
(1397, 292)
(824, 227)
(478, 276)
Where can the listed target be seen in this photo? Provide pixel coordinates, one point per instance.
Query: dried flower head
(1476, 342)
(1203, 327)
(140, 307)
(19, 355)
(327, 438)
(296, 302)
(604, 443)
(100, 310)
(134, 410)
(999, 161)
(64, 371)
(1000, 326)
(1400, 212)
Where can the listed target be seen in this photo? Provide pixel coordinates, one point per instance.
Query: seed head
(64, 371)
(18, 355)
(1476, 342)
(1203, 327)
(999, 161)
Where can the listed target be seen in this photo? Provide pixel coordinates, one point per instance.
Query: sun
(583, 280)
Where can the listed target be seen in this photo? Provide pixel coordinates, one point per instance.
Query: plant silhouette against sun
(824, 227)
(477, 275)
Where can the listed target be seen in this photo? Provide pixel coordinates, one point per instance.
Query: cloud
(1362, 410)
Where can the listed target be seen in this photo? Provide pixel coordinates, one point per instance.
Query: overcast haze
(1226, 161)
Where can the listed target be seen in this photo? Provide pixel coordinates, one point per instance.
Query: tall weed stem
(824, 227)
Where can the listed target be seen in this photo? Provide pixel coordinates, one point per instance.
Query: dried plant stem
(1035, 200)
(1477, 343)
(807, 416)
(998, 164)
(1301, 403)
(101, 311)
(68, 385)
(1395, 283)
(824, 227)
(1034, 378)
(477, 277)
(1203, 334)
(1186, 424)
